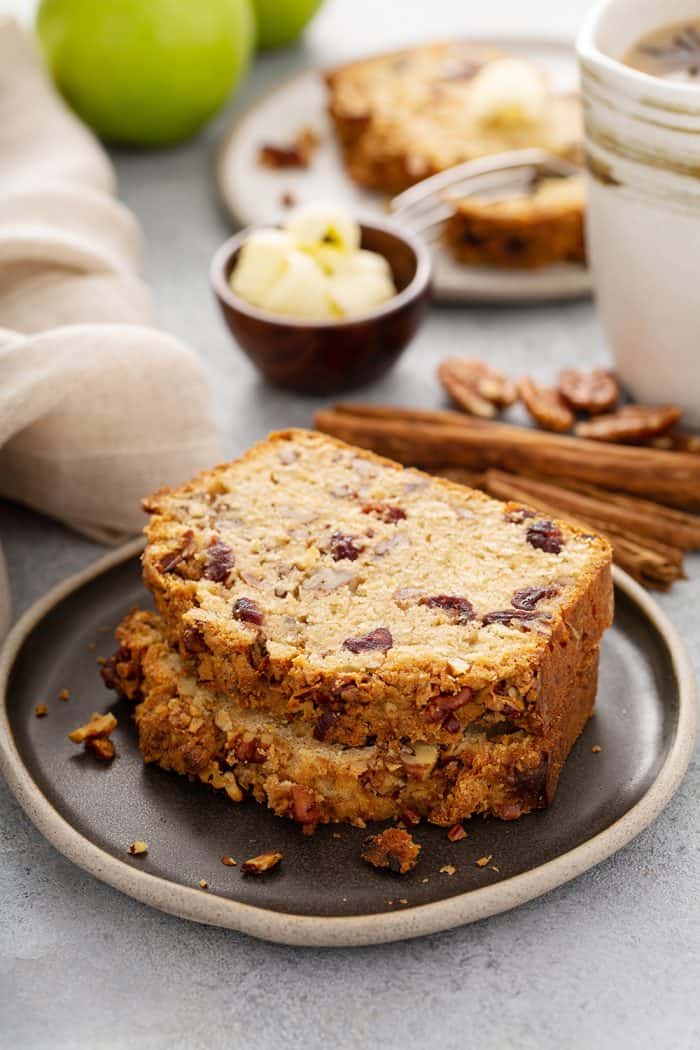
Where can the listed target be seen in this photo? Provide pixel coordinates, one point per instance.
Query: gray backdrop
(608, 961)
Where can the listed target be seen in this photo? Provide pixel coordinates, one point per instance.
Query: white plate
(253, 194)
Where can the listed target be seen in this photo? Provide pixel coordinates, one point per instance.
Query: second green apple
(281, 21)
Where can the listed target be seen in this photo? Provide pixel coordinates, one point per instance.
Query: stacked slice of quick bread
(348, 639)
(532, 229)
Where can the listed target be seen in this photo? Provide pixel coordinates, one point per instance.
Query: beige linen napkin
(96, 408)
(40, 141)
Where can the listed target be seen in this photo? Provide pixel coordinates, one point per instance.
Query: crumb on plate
(394, 849)
(98, 726)
(262, 863)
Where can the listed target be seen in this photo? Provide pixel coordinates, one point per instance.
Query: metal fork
(425, 206)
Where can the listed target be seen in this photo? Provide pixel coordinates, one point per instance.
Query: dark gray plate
(643, 725)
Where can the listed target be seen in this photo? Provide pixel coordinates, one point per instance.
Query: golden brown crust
(466, 674)
(525, 232)
(191, 730)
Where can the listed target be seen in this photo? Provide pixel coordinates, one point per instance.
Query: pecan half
(632, 423)
(546, 405)
(593, 392)
(393, 849)
(475, 387)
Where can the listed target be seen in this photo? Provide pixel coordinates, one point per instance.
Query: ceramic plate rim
(579, 286)
(351, 931)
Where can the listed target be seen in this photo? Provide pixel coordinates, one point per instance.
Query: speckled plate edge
(452, 282)
(317, 931)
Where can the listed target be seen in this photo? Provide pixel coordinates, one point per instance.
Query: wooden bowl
(326, 357)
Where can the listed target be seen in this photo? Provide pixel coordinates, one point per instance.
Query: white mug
(643, 217)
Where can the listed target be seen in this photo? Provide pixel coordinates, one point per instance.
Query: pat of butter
(360, 281)
(354, 293)
(508, 93)
(301, 290)
(316, 225)
(260, 263)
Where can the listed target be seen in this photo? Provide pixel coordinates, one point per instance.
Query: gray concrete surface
(608, 961)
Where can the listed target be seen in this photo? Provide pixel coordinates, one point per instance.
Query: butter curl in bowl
(325, 303)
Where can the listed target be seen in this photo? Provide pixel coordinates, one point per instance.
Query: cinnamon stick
(430, 439)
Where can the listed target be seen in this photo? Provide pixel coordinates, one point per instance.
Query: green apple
(146, 72)
(281, 21)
